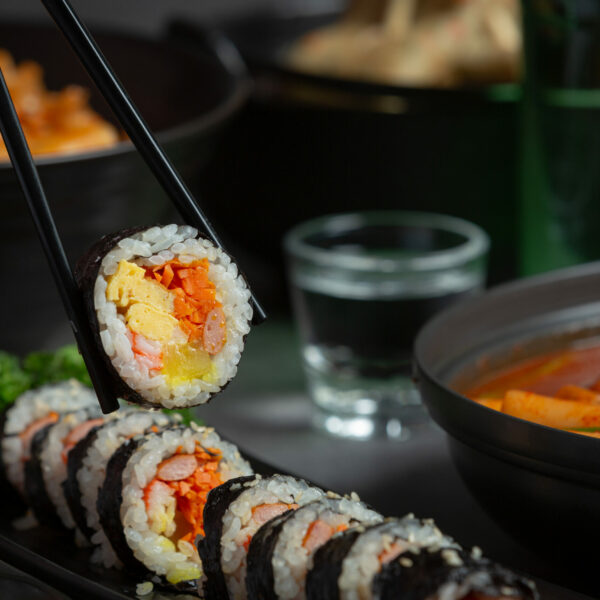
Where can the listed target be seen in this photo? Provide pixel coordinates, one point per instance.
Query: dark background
(149, 15)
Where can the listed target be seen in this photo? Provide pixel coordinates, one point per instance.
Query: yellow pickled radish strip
(183, 363)
(184, 572)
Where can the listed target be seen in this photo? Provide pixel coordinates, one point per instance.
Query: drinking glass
(362, 285)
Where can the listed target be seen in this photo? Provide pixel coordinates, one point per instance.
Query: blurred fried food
(425, 43)
(61, 121)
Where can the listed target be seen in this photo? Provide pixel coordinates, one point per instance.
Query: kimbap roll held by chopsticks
(169, 310)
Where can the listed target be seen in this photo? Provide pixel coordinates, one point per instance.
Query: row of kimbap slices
(132, 485)
(280, 538)
(178, 506)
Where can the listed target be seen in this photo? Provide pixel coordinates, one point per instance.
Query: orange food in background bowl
(560, 390)
(53, 121)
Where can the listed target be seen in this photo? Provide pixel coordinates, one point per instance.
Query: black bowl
(186, 95)
(542, 485)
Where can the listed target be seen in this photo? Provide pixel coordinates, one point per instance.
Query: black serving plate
(51, 557)
(542, 485)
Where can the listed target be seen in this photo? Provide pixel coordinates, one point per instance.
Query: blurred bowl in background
(541, 485)
(186, 96)
(308, 145)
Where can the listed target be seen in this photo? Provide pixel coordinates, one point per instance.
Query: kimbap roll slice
(86, 469)
(282, 551)
(47, 468)
(233, 514)
(344, 567)
(170, 311)
(449, 574)
(31, 412)
(152, 500)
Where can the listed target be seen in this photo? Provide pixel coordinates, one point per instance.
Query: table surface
(267, 413)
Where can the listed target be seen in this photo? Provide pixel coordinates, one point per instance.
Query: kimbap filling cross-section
(170, 312)
(174, 321)
(175, 498)
(151, 503)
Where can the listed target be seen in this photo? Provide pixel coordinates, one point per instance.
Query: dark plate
(50, 556)
(540, 484)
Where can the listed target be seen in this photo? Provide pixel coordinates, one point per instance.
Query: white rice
(291, 561)
(478, 578)
(90, 476)
(239, 524)
(54, 468)
(155, 246)
(475, 581)
(362, 562)
(31, 406)
(156, 551)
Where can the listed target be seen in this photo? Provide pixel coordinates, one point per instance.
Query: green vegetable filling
(39, 368)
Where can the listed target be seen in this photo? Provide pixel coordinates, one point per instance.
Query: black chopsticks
(29, 179)
(104, 77)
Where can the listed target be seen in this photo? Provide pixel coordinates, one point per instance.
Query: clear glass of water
(362, 285)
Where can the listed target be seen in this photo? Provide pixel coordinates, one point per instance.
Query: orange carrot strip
(168, 275)
(195, 299)
(198, 317)
(318, 533)
(182, 308)
(195, 335)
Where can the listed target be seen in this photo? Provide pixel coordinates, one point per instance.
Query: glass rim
(476, 242)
